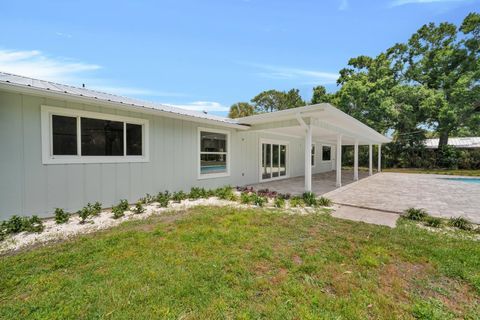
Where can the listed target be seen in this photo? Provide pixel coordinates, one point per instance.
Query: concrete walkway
(366, 215)
(396, 192)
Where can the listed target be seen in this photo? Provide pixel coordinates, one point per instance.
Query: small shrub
(461, 223)
(284, 196)
(324, 202)
(147, 199)
(178, 196)
(83, 213)
(245, 189)
(433, 222)
(61, 216)
(246, 197)
(139, 208)
(267, 193)
(197, 193)
(118, 212)
(296, 201)
(2, 234)
(259, 200)
(123, 205)
(415, 214)
(33, 224)
(279, 202)
(226, 193)
(96, 208)
(163, 198)
(14, 224)
(310, 199)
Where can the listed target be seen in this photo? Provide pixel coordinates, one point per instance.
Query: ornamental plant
(197, 193)
(324, 202)
(461, 223)
(178, 196)
(163, 198)
(310, 199)
(61, 216)
(138, 208)
(279, 202)
(296, 201)
(415, 214)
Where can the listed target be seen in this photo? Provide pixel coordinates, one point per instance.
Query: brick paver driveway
(398, 191)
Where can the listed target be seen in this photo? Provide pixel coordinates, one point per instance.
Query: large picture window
(76, 136)
(214, 153)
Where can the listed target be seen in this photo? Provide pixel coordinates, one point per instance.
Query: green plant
(310, 199)
(96, 208)
(163, 198)
(324, 202)
(61, 216)
(178, 196)
(461, 223)
(14, 225)
(118, 212)
(226, 193)
(139, 208)
(33, 224)
(415, 214)
(296, 201)
(246, 197)
(83, 213)
(197, 193)
(259, 200)
(147, 199)
(433, 222)
(123, 205)
(279, 202)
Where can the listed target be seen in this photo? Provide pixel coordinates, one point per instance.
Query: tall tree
(274, 100)
(320, 95)
(241, 109)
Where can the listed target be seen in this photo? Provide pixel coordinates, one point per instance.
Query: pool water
(469, 180)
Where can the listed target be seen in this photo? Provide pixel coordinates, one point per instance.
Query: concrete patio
(321, 183)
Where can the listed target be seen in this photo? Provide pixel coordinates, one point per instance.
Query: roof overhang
(326, 121)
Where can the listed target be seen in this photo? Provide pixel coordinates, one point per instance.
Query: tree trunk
(443, 141)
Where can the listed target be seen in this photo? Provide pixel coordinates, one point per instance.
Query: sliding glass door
(274, 161)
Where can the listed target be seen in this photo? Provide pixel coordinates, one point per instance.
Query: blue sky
(205, 55)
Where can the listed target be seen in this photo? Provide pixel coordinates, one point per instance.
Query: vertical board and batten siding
(29, 187)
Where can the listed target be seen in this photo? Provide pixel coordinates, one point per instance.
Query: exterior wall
(29, 187)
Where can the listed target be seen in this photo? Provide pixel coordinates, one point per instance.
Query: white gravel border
(55, 232)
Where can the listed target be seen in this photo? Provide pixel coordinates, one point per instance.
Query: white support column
(370, 170)
(308, 159)
(339, 160)
(379, 158)
(355, 161)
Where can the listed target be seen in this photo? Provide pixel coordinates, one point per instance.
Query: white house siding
(29, 187)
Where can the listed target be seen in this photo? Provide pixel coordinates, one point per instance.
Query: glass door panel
(275, 160)
(266, 161)
(283, 160)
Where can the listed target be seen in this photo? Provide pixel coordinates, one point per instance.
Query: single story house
(63, 146)
(459, 143)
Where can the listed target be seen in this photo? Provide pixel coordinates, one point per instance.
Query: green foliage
(246, 197)
(163, 198)
(226, 193)
(118, 212)
(433, 222)
(84, 214)
(15, 224)
(90, 210)
(148, 199)
(415, 214)
(279, 202)
(431, 309)
(310, 199)
(61, 216)
(178, 196)
(123, 205)
(139, 208)
(96, 209)
(18, 224)
(274, 100)
(197, 193)
(241, 109)
(324, 202)
(297, 201)
(33, 224)
(461, 223)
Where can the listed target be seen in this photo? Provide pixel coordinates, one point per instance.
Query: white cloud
(397, 3)
(209, 106)
(288, 73)
(343, 5)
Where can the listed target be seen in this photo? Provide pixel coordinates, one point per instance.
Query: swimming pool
(469, 180)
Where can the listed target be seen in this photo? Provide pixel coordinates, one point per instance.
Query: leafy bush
(284, 196)
(197, 193)
(279, 202)
(83, 213)
(118, 212)
(324, 202)
(147, 199)
(61, 216)
(163, 199)
(415, 214)
(178, 196)
(123, 205)
(96, 208)
(433, 222)
(259, 200)
(226, 193)
(18, 224)
(267, 193)
(139, 208)
(461, 223)
(33, 224)
(310, 199)
(246, 197)
(14, 225)
(297, 201)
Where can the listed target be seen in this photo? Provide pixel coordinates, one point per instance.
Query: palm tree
(241, 109)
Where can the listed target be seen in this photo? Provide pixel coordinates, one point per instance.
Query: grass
(473, 173)
(210, 263)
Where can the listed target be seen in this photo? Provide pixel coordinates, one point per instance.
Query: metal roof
(52, 87)
(459, 142)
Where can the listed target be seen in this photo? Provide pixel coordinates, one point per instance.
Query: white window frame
(331, 152)
(201, 175)
(313, 155)
(287, 159)
(47, 137)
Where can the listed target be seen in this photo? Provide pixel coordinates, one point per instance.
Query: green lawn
(436, 171)
(209, 263)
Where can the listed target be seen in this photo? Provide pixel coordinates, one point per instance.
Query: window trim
(200, 175)
(47, 137)
(331, 152)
